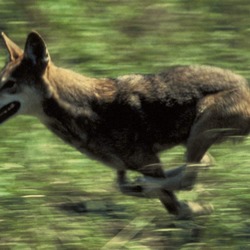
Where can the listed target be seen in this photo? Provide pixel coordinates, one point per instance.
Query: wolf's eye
(9, 84)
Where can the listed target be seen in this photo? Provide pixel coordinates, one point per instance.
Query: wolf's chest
(68, 131)
(94, 147)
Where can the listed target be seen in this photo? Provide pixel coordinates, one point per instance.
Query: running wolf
(126, 122)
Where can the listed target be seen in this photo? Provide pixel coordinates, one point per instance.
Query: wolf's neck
(75, 94)
(69, 85)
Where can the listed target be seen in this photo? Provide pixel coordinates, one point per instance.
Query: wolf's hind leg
(183, 177)
(204, 133)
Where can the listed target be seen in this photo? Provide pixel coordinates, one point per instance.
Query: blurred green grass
(52, 197)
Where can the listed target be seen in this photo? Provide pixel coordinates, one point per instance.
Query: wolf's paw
(132, 189)
(189, 210)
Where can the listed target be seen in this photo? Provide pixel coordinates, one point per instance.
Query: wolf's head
(22, 78)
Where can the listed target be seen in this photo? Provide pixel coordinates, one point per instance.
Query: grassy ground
(52, 197)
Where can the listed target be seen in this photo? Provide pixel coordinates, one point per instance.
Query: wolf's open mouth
(8, 110)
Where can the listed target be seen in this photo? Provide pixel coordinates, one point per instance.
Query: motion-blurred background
(52, 197)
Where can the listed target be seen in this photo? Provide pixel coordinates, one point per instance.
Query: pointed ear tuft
(36, 51)
(13, 49)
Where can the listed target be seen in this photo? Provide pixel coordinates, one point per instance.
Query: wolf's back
(179, 84)
(194, 82)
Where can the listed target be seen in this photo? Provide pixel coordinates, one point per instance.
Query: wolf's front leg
(178, 178)
(129, 188)
(175, 179)
(144, 186)
(140, 189)
(151, 187)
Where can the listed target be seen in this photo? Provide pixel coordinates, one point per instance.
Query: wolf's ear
(36, 51)
(14, 50)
